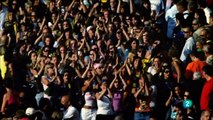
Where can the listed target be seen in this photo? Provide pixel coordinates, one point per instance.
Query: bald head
(205, 115)
(65, 101)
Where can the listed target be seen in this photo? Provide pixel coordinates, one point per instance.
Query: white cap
(30, 111)
(197, 76)
(97, 65)
(49, 24)
(89, 27)
(209, 60)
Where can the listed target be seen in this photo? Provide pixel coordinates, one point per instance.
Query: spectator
(55, 48)
(206, 115)
(195, 66)
(170, 18)
(189, 45)
(105, 109)
(207, 88)
(69, 112)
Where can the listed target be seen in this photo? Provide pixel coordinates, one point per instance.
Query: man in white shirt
(70, 111)
(182, 8)
(170, 17)
(207, 11)
(188, 47)
(3, 13)
(157, 6)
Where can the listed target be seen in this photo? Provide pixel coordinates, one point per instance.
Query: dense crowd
(106, 59)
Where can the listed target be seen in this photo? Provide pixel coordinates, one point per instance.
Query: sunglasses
(186, 95)
(194, 23)
(46, 50)
(185, 31)
(166, 71)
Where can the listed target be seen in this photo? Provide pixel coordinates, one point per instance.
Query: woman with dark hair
(104, 104)
(179, 22)
(9, 100)
(89, 109)
(146, 10)
(133, 46)
(176, 64)
(164, 83)
(50, 80)
(174, 99)
(137, 69)
(200, 14)
(142, 96)
(118, 86)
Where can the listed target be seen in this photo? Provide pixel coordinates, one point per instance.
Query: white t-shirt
(207, 12)
(170, 17)
(104, 106)
(71, 112)
(157, 5)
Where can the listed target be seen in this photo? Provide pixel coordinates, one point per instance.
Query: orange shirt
(195, 66)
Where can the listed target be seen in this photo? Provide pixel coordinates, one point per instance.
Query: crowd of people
(106, 59)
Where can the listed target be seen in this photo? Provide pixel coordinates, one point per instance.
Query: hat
(97, 65)
(86, 2)
(103, 1)
(209, 60)
(87, 57)
(30, 111)
(89, 28)
(197, 75)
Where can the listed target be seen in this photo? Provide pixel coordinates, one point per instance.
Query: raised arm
(87, 83)
(38, 39)
(4, 102)
(123, 81)
(55, 23)
(125, 33)
(146, 89)
(139, 90)
(131, 6)
(85, 72)
(119, 6)
(42, 25)
(109, 93)
(93, 9)
(128, 69)
(169, 100)
(41, 68)
(59, 38)
(111, 84)
(178, 71)
(100, 95)
(68, 9)
(83, 7)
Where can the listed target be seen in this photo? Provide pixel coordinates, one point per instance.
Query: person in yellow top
(4, 42)
(5, 2)
(3, 67)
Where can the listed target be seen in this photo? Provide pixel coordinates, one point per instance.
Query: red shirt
(205, 95)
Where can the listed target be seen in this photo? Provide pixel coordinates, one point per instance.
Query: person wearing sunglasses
(190, 42)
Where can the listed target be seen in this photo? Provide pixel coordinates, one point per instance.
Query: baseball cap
(30, 111)
(89, 28)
